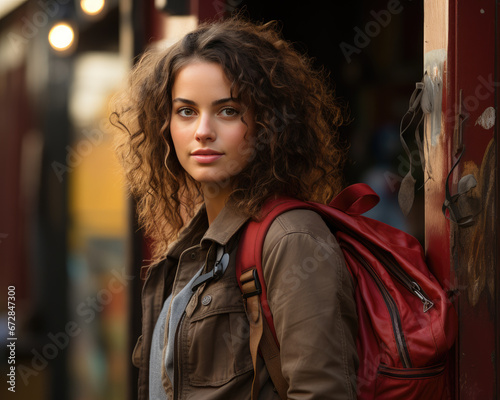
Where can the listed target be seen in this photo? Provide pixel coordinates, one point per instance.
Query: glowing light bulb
(61, 36)
(92, 7)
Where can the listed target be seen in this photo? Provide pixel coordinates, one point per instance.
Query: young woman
(212, 127)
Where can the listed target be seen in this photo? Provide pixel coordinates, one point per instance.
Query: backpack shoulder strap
(251, 281)
(250, 246)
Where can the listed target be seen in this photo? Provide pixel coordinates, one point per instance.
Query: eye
(185, 112)
(229, 112)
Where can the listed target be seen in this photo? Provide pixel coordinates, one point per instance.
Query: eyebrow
(193, 103)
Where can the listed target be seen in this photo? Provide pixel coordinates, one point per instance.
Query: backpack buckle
(250, 284)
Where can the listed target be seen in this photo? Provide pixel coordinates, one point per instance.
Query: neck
(214, 203)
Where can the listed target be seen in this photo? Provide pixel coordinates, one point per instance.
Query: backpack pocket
(430, 383)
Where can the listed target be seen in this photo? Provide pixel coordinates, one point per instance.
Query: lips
(206, 156)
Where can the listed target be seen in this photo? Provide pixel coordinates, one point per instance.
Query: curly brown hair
(295, 146)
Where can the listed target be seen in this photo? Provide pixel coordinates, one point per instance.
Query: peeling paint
(487, 118)
(434, 62)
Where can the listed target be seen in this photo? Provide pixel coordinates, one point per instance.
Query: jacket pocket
(428, 383)
(137, 353)
(218, 334)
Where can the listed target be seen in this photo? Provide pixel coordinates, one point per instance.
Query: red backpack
(403, 351)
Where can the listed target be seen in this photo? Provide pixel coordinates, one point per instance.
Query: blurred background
(69, 244)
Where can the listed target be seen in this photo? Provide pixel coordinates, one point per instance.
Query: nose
(204, 130)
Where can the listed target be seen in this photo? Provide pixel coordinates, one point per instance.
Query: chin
(215, 187)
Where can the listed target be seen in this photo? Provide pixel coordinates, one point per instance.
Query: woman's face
(210, 138)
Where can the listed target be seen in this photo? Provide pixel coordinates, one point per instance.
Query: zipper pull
(425, 301)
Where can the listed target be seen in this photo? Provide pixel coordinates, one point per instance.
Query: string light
(92, 7)
(61, 36)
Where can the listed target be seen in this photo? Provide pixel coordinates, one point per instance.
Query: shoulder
(301, 254)
(300, 227)
(299, 220)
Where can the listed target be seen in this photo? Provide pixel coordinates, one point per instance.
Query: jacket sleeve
(310, 294)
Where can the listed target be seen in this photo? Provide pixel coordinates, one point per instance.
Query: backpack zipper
(413, 373)
(404, 355)
(405, 280)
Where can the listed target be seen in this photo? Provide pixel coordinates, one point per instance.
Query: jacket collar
(225, 226)
(198, 231)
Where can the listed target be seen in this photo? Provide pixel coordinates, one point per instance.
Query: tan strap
(271, 354)
(260, 334)
(254, 313)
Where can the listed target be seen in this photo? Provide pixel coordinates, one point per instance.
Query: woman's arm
(310, 295)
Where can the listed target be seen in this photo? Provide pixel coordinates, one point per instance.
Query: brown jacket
(310, 294)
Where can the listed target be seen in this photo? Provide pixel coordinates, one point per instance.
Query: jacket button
(206, 300)
(193, 255)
